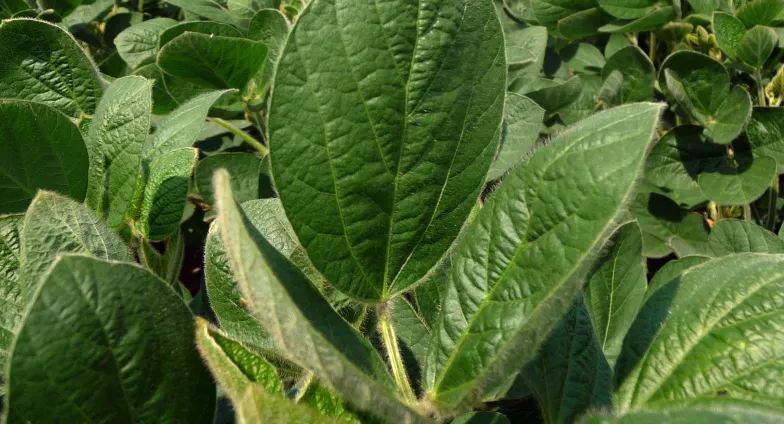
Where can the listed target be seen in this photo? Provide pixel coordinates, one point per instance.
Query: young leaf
(245, 169)
(212, 61)
(498, 289)
(138, 44)
(166, 266)
(55, 224)
(397, 124)
(11, 305)
(616, 287)
(271, 28)
(112, 328)
(730, 236)
(115, 142)
(570, 374)
(718, 311)
(181, 128)
(756, 46)
(41, 149)
(41, 62)
(319, 398)
(638, 73)
(304, 326)
(414, 337)
(765, 133)
(166, 193)
(522, 119)
(729, 32)
(259, 407)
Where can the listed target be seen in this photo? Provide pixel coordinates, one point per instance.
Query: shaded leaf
(244, 167)
(638, 73)
(520, 130)
(166, 193)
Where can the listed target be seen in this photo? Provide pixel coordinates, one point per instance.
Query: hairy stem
(652, 47)
(760, 88)
(389, 339)
(241, 134)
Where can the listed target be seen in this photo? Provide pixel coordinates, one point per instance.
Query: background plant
(447, 211)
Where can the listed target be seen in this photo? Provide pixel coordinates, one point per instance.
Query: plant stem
(770, 220)
(141, 6)
(747, 212)
(760, 88)
(389, 339)
(652, 47)
(241, 134)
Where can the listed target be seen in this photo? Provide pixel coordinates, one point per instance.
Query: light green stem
(241, 134)
(747, 212)
(760, 88)
(392, 348)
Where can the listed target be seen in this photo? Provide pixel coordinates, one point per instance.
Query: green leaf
(553, 95)
(583, 58)
(520, 130)
(11, 305)
(111, 328)
(740, 180)
(757, 45)
(319, 398)
(586, 104)
(627, 9)
(705, 81)
(41, 149)
(712, 330)
(677, 160)
(212, 61)
(685, 232)
(704, 7)
(765, 133)
(497, 271)
(570, 374)
(583, 24)
(245, 169)
(526, 43)
(201, 27)
(304, 326)
(615, 43)
(397, 125)
(168, 265)
(138, 44)
(9, 7)
(115, 142)
(211, 9)
(719, 411)
(61, 7)
(259, 407)
(730, 236)
(672, 270)
(729, 32)
(233, 365)
(481, 418)
(271, 28)
(413, 337)
(166, 193)
(56, 224)
(610, 94)
(181, 128)
(615, 288)
(549, 12)
(638, 73)
(731, 118)
(41, 62)
(760, 12)
(652, 21)
(269, 219)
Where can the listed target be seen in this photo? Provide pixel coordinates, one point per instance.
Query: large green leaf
(570, 374)
(212, 61)
(671, 270)
(714, 329)
(729, 32)
(55, 224)
(652, 21)
(731, 117)
(122, 342)
(11, 305)
(583, 24)
(718, 411)
(705, 82)
(396, 126)
(739, 180)
(138, 44)
(551, 95)
(639, 75)
(41, 62)
(627, 9)
(181, 128)
(765, 133)
(522, 119)
(730, 236)
(166, 193)
(522, 260)
(115, 142)
(304, 326)
(616, 287)
(549, 12)
(40, 149)
(760, 12)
